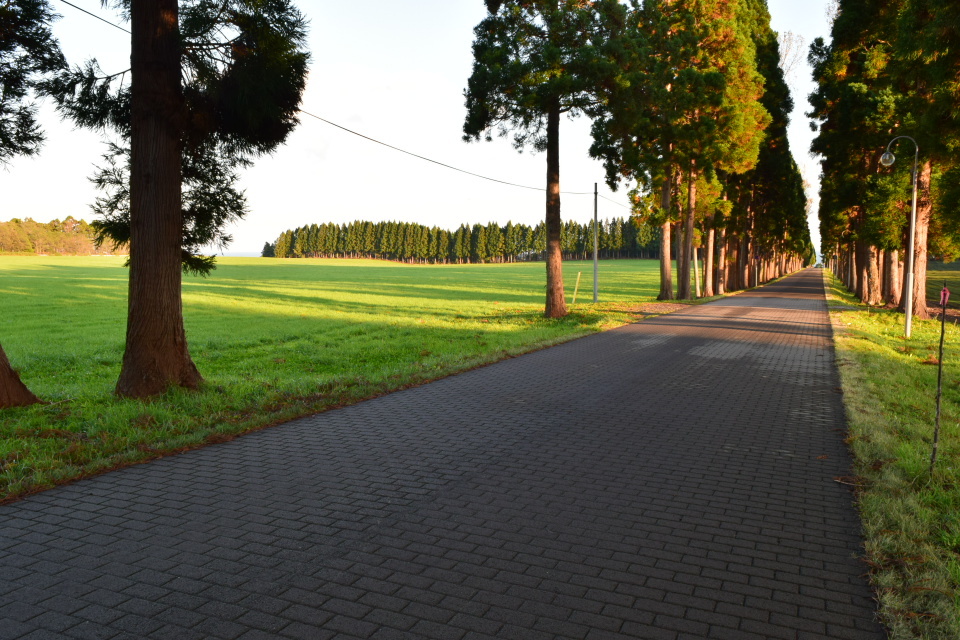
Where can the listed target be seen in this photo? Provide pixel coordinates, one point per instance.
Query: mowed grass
(938, 274)
(911, 518)
(274, 339)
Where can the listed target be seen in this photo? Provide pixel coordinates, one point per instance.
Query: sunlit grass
(938, 274)
(911, 518)
(274, 339)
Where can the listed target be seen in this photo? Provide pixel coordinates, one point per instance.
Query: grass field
(274, 339)
(939, 273)
(911, 519)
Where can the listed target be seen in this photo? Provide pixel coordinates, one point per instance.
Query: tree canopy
(890, 70)
(244, 71)
(531, 65)
(688, 99)
(28, 53)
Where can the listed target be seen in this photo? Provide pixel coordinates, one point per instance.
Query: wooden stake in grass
(577, 287)
(944, 297)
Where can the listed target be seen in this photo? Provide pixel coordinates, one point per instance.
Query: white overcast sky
(394, 71)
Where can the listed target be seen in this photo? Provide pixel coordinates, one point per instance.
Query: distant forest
(412, 242)
(69, 237)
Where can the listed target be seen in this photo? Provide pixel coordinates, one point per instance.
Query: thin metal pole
(908, 309)
(596, 243)
(696, 272)
(886, 160)
(944, 297)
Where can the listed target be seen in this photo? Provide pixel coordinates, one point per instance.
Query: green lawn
(939, 273)
(911, 519)
(274, 339)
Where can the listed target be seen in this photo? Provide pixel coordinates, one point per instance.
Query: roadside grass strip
(274, 339)
(911, 519)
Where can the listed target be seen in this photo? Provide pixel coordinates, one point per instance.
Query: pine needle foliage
(243, 68)
(28, 51)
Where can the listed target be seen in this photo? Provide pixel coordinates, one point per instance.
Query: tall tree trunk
(722, 261)
(156, 355)
(708, 260)
(686, 251)
(872, 289)
(734, 257)
(696, 271)
(745, 258)
(860, 255)
(556, 306)
(666, 270)
(13, 393)
(852, 267)
(891, 277)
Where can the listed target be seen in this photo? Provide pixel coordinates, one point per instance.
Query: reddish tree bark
(13, 393)
(873, 293)
(686, 251)
(666, 263)
(156, 355)
(708, 257)
(556, 306)
(891, 277)
(721, 268)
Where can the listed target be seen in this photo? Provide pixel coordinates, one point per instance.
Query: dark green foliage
(411, 242)
(854, 111)
(892, 69)
(691, 90)
(28, 51)
(533, 63)
(769, 199)
(246, 91)
(682, 88)
(927, 61)
(244, 71)
(526, 55)
(210, 201)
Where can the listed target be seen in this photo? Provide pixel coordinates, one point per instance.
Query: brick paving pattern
(669, 479)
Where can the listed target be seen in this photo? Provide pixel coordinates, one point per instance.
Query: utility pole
(596, 282)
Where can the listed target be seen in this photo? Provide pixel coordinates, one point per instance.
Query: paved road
(669, 479)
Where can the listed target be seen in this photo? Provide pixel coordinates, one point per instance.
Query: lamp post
(887, 159)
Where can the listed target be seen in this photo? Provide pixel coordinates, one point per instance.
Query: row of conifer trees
(888, 79)
(413, 242)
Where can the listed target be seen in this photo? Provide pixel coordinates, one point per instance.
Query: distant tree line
(59, 237)
(417, 243)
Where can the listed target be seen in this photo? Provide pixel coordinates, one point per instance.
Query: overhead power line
(93, 15)
(390, 146)
(442, 164)
(619, 204)
(409, 153)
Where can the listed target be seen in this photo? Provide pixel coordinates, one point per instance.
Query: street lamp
(887, 159)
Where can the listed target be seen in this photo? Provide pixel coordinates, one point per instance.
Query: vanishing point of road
(669, 479)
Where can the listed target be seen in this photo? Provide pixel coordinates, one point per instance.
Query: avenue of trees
(892, 68)
(412, 242)
(688, 103)
(687, 100)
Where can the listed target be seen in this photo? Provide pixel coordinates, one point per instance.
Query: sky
(392, 71)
